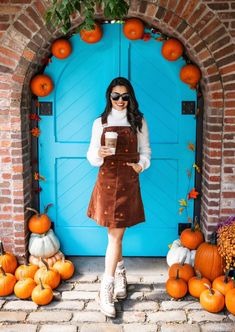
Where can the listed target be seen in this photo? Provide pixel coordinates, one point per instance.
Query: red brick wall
(206, 28)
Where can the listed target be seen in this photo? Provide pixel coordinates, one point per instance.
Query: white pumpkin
(43, 245)
(177, 253)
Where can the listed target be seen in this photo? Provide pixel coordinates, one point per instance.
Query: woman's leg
(114, 249)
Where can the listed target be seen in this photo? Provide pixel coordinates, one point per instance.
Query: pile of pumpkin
(28, 280)
(203, 277)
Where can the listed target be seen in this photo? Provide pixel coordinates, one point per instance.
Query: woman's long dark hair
(134, 116)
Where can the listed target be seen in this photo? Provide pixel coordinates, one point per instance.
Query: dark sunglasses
(115, 96)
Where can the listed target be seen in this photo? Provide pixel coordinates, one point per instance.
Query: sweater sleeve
(95, 143)
(144, 146)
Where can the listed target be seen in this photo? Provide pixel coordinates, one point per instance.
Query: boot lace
(108, 293)
(121, 278)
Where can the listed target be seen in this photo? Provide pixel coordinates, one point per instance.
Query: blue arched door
(77, 99)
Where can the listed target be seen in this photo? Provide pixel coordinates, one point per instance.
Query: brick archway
(208, 42)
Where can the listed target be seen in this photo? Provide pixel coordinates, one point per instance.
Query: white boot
(105, 298)
(120, 283)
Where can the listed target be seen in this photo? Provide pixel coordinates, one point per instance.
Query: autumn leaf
(189, 219)
(170, 245)
(34, 116)
(183, 202)
(38, 177)
(191, 146)
(159, 38)
(35, 131)
(181, 210)
(197, 168)
(146, 37)
(193, 194)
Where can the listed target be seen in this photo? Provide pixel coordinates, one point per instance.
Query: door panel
(78, 98)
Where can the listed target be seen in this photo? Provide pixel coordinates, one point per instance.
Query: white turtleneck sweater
(118, 118)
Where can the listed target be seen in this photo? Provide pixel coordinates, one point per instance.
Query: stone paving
(148, 308)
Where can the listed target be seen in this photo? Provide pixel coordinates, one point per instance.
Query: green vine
(61, 12)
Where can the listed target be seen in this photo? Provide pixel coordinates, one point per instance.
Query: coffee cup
(111, 140)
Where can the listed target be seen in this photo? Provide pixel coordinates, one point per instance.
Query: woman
(116, 198)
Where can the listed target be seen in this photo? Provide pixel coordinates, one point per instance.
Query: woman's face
(119, 104)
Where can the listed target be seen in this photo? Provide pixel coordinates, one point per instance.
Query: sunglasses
(115, 96)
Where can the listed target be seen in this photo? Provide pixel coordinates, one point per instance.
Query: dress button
(124, 164)
(102, 173)
(123, 189)
(132, 141)
(121, 214)
(126, 150)
(105, 212)
(112, 163)
(108, 187)
(125, 131)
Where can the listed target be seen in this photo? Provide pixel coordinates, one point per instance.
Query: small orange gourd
(65, 268)
(92, 36)
(212, 300)
(25, 271)
(172, 49)
(39, 223)
(190, 74)
(49, 276)
(7, 260)
(223, 283)
(42, 294)
(176, 287)
(133, 28)
(61, 48)
(185, 270)
(7, 282)
(41, 85)
(230, 300)
(196, 285)
(191, 237)
(24, 287)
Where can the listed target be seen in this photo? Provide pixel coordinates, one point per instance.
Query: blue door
(77, 99)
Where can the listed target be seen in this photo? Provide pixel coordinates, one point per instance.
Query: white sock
(120, 265)
(107, 278)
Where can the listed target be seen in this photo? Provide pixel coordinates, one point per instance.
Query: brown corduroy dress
(116, 198)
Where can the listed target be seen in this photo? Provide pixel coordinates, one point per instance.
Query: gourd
(41, 85)
(190, 74)
(25, 271)
(50, 260)
(65, 268)
(7, 260)
(176, 287)
(61, 48)
(172, 49)
(39, 223)
(44, 245)
(49, 276)
(196, 285)
(212, 300)
(208, 260)
(223, 283)
(177, 252)
(24, 287)
(184, 270)
(230, 300)
(191, 237)
(7, 282)
(42, 294)
(91, 36)
(133, 28)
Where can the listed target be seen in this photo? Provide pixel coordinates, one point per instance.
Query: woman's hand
(135, 166)
(104, 151)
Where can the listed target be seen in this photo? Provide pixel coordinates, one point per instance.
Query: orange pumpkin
(7, 260)
(223, 283)
(61, 48)
(190, 74)
(176, 287)
(24, 287)
(185, 270)
(42, 294)
(208, 260)
(212, 300)
(191, 238)
(39, 223)
(230, 301)
(41, 85)
(25, 271)
(49, 276)
(196, 285)
(172, 49)
(7, 282)
(65, 268)
(50, 260)
(92, 36)
(133, 28)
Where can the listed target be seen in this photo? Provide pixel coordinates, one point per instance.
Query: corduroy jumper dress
(116, 198)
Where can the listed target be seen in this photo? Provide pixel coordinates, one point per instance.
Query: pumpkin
(133, 28)
(191, 238)
(176, 287)
(44, 245)
(177, 252)
(39, 223)
(49, 276)
(7, 260)
(196, 285)
(61, 48)
(91, 36)
(172, 49)
(223, 283)
(185, 270)
(41, 85)
(212, 300)
(24, 287)
(230, 300)
(7, 282)
(65, 268)
(208, 260)
(50, 260)
(42, 294)
(190, 74)
(25, 271)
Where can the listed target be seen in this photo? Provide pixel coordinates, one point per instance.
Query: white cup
(111, 140)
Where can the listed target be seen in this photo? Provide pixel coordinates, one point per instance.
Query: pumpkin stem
(47, 207)
(2, 270)
(2, 251)
(41, 284)
(31, 209)
(198, 274)
(210, 289)
(226, 276)
(46, 264)
(177, 274)
(183, 259)
(213, 238)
